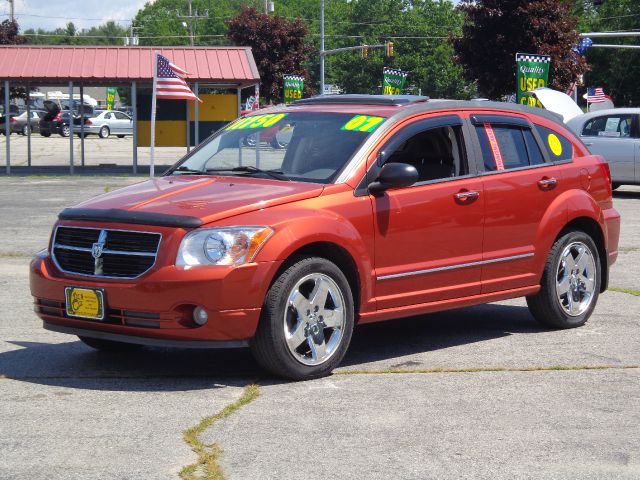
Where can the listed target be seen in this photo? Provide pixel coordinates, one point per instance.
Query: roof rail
(357, 99)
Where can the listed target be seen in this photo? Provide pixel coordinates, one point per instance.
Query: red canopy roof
(91, 65)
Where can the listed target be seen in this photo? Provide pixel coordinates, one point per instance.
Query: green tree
(419, 30)
(9, 35)
(278, 47)
(495, 30)
(615, 70)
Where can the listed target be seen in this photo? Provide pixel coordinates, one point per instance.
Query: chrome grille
(104, 253)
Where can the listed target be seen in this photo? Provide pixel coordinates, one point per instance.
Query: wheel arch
(336, 254)
(592, 228)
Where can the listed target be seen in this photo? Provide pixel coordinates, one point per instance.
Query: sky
(51, 14)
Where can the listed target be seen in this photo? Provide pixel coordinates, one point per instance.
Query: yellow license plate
(84, 303)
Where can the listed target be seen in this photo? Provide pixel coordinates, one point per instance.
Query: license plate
(84, 303)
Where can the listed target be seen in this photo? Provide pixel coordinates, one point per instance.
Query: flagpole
(153, 115)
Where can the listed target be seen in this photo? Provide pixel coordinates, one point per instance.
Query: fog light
(200, 316)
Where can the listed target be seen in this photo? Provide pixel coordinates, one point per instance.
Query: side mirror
(394, 175)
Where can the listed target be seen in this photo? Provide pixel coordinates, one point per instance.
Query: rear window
(507, 147)
(558, 147)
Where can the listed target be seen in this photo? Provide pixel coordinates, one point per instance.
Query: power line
(190, 18)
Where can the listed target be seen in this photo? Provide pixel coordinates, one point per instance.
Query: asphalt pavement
(481, 392)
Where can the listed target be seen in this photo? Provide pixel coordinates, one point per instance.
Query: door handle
(465, 196)
(547, 183)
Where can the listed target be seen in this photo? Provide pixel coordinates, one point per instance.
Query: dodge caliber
(371, 208)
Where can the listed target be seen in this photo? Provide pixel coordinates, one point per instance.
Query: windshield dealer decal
(362, 123)
(257, 121)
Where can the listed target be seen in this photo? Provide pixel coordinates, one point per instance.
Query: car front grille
(105, 253)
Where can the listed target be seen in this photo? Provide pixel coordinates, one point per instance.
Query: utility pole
(322, 47)
(12, 6)
(268, 7)
(190, 18)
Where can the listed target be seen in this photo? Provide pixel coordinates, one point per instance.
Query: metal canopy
(109, 65)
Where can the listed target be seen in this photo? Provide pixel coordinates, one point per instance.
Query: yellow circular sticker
(554, 144)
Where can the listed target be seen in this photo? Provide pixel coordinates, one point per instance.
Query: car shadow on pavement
(75, 365)
(436, 331)
(626, 194)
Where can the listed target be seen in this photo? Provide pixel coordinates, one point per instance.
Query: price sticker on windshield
(257, 121)
(362, 123)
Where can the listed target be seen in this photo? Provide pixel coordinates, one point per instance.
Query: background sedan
(614, 134)
(109, 122)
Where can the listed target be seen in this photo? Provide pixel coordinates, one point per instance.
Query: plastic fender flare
(294, 234)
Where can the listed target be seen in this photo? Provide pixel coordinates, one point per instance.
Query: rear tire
(306, 322)
(120, 136)
(45, 134)
(570, 283)
(109, 345)
(25, 130)
(104, 132)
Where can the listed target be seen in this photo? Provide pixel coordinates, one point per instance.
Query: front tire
(570, 283)
(65, 131)
(109, 345)
(307, 321)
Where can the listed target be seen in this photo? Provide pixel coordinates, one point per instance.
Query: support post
(28, 126)
(188, 125)
(239, 94)
(134, 106)
(71, 166)
(321, 47)
(152, 160)
(7, 130)
(82, 125)
(196, 114)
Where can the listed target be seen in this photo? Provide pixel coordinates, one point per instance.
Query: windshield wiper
(277, 174)
(192, 171)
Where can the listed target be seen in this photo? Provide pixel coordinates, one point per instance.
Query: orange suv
(374, 208)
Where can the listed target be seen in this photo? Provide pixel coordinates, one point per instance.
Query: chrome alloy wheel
(575, 279)
(314, 319)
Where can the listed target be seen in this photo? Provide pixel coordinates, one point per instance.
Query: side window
(609, 126)
(121, 116)
(107, 116)
(437, 153)
(505, 147)
(558, 147)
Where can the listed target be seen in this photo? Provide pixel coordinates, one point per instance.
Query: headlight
(222, 246)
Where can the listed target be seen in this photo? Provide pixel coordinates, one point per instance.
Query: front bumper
(159, 304)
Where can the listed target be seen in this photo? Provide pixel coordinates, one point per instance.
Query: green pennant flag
(111, 97)
(293, 87)
(533, 72)
(393, 81)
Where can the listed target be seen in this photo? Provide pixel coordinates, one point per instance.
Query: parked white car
(109, 122)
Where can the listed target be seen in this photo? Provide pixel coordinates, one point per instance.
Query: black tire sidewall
(560, 319)
(271, 328)
(105, 135)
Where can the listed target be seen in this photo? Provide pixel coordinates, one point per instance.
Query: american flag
(170, 82)
(595, 95)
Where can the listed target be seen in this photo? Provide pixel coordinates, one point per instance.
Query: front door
(428, 237)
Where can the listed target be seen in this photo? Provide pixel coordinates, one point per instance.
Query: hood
(207, 198)
(557, 102)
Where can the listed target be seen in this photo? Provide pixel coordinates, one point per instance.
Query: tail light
(12, 120)
(88, 122)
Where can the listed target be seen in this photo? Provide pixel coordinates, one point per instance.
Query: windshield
(301, 146)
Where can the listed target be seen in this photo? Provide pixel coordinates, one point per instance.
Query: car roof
(580, 119)
(403, 105)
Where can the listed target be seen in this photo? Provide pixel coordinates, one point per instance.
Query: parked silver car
(614, 134)
(109, 122)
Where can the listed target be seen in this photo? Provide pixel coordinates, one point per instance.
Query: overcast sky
(51, 14)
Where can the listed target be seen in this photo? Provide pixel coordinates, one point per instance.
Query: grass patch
(15, 255)
(207, 466)
(628, 291)
(487, 369)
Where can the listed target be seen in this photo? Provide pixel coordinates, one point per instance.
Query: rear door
(520, 182)
(428, 237)
(615, 137)
(124, 123)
